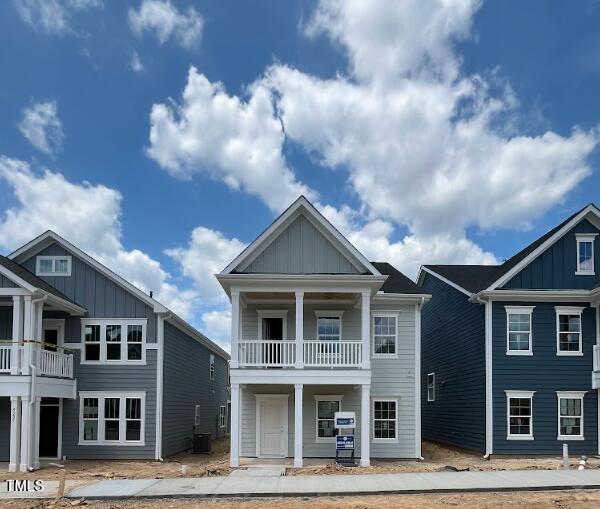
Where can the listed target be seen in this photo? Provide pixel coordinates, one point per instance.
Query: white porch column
(39, 313)
(25, 461)
(299, 330)
(235, 328)
(298, 432)
(365, 419)
(234, 460)
(365, 327)
(28, 333)
(35, 451)
(15, 433)
(17, 334)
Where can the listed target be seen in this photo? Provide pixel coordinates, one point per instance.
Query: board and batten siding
(555, 268)
(453, 347)
(545, 373)
(301, 249)
(187, 384)
(7, 283)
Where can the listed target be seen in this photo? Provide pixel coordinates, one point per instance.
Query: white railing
(5, 358)
(596, 358)
(343, 354)
(266, 353)
(58, 364)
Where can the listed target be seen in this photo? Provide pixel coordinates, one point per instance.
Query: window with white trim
(431, 387)
(329, 325)
(326, 407)
(385, 335)
(113, 340)
(53, 266)
(197, 415)
(519, 415)
(568, 330)
(570, 415)
(111, 418)
(519, 330)
(222, 416)
(385, 420)
(585, 254)
(211, 369)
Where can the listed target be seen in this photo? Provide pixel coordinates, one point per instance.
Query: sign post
(344, 442)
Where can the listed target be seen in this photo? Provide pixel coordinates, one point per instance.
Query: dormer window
(585, 254)
(53, 266)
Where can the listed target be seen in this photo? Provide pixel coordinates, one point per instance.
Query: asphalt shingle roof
(396, 281)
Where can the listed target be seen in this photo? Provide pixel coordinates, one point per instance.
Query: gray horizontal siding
(545, 373)
(453, 346)
(187, 384)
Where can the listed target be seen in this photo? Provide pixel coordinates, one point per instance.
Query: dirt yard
(526, 500)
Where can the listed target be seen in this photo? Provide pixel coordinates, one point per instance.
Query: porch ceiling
(333, 296)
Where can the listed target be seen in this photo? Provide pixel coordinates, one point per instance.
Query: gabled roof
(396, 281)
(301, 205)
(475, 278)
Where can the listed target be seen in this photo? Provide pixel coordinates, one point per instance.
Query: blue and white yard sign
(345, 420)
(344, 442)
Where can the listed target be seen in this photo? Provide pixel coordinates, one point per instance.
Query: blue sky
(426, 133)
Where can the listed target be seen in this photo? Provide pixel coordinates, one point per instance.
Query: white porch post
(299, 330)
(15, 433)
(235, 328)
(365, 327)
(298, 432)
(365, 419)
(28, 333)
(25, 434)
(35, 452)
(234, 460)
(17, 334)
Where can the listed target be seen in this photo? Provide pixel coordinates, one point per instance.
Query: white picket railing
(266, 353)
(54, 363)
(5, 358)
(58, 364)
(342, 354)
(596, 358)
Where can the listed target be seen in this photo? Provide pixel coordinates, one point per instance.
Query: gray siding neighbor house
(92, 367)
(511, 353)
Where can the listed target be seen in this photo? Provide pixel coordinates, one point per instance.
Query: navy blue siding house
(511, 352)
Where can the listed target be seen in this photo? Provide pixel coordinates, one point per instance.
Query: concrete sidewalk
(321, 485)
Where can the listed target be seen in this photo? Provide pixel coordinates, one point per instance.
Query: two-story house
(317, 329)
(92, 367)
(511, 352)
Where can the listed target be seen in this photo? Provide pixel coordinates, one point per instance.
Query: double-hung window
(519, 330)
(385, 335)
(385, 419)
(585, 254)
(326, 407)
(329, 325)
(113, 340)
(111, 418)
(53, 266)
(519, 415)
(222, 416)
(568, 330)
(570, 415)
(431, 387)
(211, 369)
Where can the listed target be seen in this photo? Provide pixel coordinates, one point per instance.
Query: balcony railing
(55, 362)
(316, 354)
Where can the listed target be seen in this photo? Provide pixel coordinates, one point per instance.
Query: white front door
(272, 439)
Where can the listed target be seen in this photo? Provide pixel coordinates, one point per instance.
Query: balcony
(16, 359)
(315, 354)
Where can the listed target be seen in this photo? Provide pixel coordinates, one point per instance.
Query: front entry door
(54, 332)
(273, 427)
(49, 427)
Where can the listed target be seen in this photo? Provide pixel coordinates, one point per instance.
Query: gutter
(160, 339)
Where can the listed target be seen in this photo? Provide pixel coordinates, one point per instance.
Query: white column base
(365, 462)
(298, 463)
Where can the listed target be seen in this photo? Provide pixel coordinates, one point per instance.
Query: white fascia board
(590, 209)
(535, 295)
(16, 279)
(301, 376)
(71, 307)
(447, 281)
(317, 219)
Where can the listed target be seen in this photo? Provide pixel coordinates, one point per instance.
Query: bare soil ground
(525, 500)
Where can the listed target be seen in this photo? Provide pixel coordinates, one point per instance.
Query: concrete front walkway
(275, 485)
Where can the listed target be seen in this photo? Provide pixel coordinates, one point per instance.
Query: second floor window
(518, 341)
(329, 327)
(212, 367)
(385, 335)
(568, 326)
(585, 254)
(53, 266)
(110, 340)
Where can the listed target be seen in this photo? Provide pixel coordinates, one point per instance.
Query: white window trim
(123, 322)
(521, 395)
(432, 399)
(211, 366)
(222, 416)
(586, 237)
(38, 271)
(196, 415)
(396, 316)
(519, 310)
(101, 396)
(569, 310)
(570, 395)
(328, 313)
(383, 440)
(325, 397)
(272, 313)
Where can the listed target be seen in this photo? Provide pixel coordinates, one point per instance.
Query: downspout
(488, 376)
(160, 339)
(418, 377)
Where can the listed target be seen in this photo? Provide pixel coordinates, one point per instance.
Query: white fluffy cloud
(48, 201)
(217, 326)
(42, 127)
(166, 21)
(52, 17)
(135, 62)
(237, 142)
